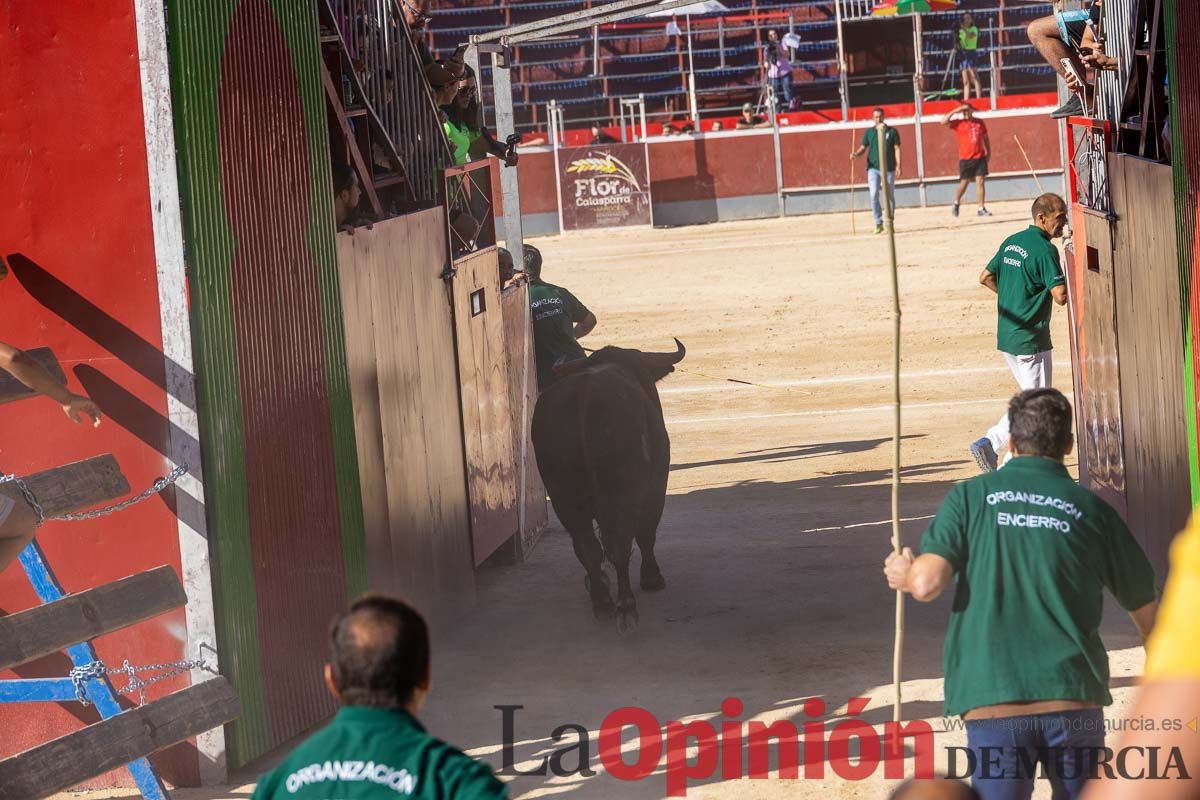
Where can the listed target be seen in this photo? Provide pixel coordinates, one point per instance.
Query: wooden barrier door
(486, 414)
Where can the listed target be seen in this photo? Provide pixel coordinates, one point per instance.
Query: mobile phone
(1070, 69)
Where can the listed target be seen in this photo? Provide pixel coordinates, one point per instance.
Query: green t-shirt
(1032, 551)
(968, 38)
(891, 140)
(461, 140)
(375, 754)
(555, 312)
(1026, 268)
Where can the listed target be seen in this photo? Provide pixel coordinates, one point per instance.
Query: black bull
(604, 455)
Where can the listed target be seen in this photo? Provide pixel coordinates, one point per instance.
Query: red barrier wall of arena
(535, 176)
(76, 235)
(706, 167)
(1038, 135)
(742, 164)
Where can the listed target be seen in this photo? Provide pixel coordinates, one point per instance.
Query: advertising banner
(604, 186)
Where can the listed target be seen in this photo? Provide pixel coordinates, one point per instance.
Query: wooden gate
(483, 361)
(484, 391)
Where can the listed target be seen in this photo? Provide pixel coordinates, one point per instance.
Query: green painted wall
(198, 33)
(1185, 217)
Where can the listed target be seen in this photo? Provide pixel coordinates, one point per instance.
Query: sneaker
(984, 455)
(1071, 108)
(954, 210)
(879, 229)
(983, 212)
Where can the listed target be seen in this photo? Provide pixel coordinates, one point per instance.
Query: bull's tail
(585, 446)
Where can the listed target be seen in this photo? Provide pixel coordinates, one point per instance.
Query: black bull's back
(604, 455)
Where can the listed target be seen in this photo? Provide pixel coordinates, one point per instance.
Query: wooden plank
(12, 389)
(514, 300)
(77, 486)
(111, 743)
(40, 631)
(1101, 370)
(401, 359)
(487, 418)
(1149, 317)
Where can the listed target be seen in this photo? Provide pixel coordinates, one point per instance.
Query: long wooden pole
(853, 221)
(1028, 164)
(898, 650)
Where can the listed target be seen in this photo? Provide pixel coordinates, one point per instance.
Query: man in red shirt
(973, 151)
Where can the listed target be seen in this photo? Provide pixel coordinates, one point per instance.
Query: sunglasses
(419, 17)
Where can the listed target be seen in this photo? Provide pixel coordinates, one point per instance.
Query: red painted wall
(76, 234)
(702, 168)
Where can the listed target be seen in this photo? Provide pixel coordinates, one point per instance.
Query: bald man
(1026, 276)
(375, 749)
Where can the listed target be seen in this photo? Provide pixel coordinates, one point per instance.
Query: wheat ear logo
(605, 164)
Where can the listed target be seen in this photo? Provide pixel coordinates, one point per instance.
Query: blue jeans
(873, 180)
(783, 92)
(1008, 751)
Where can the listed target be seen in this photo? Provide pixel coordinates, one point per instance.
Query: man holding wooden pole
(1023, 661)
(883, 165)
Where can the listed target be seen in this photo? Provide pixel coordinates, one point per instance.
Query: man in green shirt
(559, 322)
(891, 148)
(1033, 551)
(1027, 277)
(375, 749)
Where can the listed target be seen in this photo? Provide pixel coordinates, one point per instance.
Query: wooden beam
(365, 176)
(12, 389)
(76, 486)
(42, 630)
(111, 743)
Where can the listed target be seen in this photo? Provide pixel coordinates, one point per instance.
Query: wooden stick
(853, 222)
(1028, 164)
(897, 652)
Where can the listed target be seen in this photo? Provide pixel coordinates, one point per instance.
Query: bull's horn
(666, 359)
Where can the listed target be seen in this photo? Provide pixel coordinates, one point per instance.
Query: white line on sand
(823, 412)
(730, 385)
(865, 524)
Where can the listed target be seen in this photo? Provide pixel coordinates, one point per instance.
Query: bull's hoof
(652, 579)
(627, 621)
(602, 603)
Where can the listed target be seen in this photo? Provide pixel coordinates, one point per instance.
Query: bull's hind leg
(618, 544)
(652, 577)
(591, 556)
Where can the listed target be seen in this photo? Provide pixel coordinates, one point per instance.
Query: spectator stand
(499, 44)
(383, 122)
(589, 71)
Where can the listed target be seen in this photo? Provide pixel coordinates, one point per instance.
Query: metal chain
(154, 489)
(38, 511)
(97, 669)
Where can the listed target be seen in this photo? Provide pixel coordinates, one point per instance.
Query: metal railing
(470, 208)
(389, 81)
(1120, 26)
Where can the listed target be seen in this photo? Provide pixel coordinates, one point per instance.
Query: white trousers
(1031, 372)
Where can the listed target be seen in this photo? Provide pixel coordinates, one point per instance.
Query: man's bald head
(379, 653)
(934, 789)
(1048, 204)
(1050, 214)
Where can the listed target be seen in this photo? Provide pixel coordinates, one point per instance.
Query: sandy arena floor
(777, 521)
